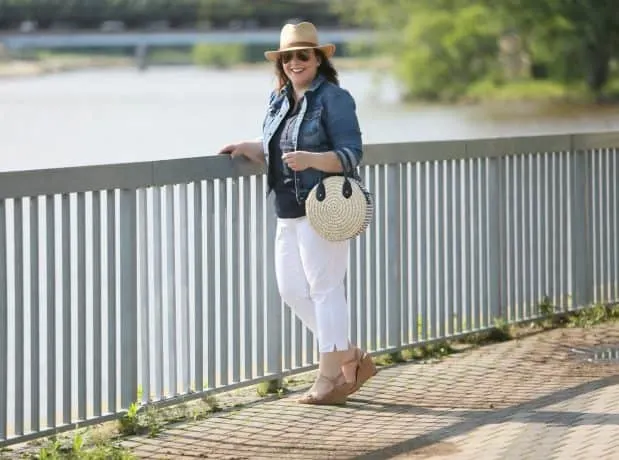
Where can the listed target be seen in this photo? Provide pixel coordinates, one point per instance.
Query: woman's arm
(342, 127)
(251, 149)
(327, 162)
(324, 161)
(343, 130)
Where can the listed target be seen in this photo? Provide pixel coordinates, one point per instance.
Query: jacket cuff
(343, 160)
(347, 158)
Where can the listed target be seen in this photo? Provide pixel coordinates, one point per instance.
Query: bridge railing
(155, 281)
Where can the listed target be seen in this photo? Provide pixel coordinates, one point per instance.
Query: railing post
(3, 323)
(394, 256)
(496, 215)
(580, 221)
(273, 316)
(128, 298)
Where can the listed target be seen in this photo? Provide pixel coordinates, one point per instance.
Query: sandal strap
(356, 359)
(337, 394)
(332, 380)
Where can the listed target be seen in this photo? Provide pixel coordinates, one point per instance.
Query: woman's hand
(250, 150)
(299, 160)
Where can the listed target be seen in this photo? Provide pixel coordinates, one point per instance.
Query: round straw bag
(339, 208)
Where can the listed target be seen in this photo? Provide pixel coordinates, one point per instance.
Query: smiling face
(300, 66)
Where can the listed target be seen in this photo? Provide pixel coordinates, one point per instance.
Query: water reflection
(600, 354)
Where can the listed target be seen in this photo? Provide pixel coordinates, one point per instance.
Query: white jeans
(310, 275)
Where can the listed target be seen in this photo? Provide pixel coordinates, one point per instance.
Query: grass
(503, 331)
(77, 447)
(612, 89)
(169, 57)
(590, 316)
(517, 91)
(538, 91)
(271, 387)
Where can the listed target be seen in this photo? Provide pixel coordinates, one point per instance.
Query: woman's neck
(299, 92)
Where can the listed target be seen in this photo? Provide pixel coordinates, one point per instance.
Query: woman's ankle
(350, 363)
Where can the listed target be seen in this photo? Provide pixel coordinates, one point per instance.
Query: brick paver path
(531, 398)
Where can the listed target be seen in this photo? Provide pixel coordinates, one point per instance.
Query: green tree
(575, 39)
(441, 47)
(221, 9)
(449, 51)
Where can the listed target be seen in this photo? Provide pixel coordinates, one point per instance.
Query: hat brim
(328, 50)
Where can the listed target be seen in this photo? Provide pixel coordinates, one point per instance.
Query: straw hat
(298, 37)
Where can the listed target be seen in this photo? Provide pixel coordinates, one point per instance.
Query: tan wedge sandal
(336, 396)
(364, 369)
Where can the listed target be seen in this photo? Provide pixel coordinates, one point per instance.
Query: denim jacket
(327, 121)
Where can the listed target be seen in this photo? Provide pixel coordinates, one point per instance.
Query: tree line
(442, 47)
(135, 14)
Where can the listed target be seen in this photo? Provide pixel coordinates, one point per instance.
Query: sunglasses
(302, 55)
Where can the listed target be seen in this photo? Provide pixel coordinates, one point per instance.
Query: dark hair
(325, 68)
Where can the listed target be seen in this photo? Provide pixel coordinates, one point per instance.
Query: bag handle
(321, 192)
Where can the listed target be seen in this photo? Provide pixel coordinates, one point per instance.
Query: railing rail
(183, 171)
(155, 281)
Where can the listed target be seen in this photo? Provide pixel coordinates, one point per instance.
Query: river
(123, 115)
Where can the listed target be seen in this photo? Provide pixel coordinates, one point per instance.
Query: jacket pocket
(310, 132)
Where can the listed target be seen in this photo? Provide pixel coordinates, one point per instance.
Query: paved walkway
(531, 398)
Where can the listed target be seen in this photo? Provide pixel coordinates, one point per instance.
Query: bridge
(77, 40)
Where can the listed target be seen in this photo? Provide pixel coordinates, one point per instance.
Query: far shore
(32, 68)
(63, 63)
(524, 91)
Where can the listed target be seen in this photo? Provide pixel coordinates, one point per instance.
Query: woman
(311, 129)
